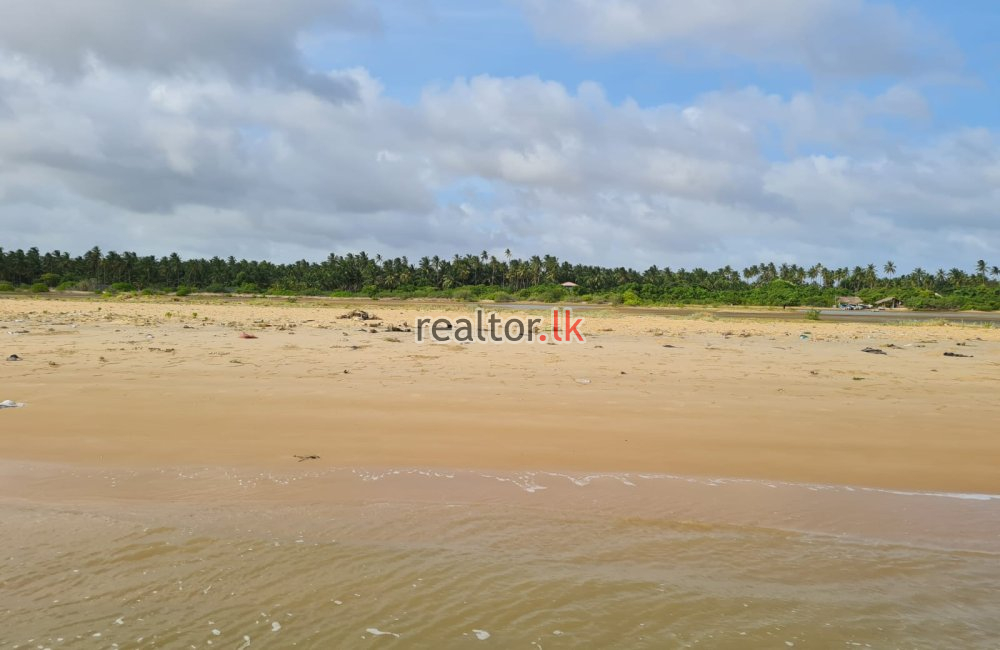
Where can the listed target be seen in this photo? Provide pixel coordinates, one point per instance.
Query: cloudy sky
(631, 132)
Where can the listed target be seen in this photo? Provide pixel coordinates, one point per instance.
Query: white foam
(374, 631)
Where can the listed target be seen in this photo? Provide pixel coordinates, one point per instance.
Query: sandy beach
(128, 383)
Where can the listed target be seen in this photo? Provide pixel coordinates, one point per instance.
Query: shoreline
(310, 497)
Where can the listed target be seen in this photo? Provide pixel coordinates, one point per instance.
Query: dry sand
(128, 383)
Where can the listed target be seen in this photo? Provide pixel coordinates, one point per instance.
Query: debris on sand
(583, 381)
(244, 335)
(359, 314)
(667, 345)
(10, 404)
(956, 354)
(397, 328)
(309, 457)
(874, 351)
(13, 357)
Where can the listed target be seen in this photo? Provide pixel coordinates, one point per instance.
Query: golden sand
(130, 383)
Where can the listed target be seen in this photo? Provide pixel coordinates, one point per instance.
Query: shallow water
(319, 558)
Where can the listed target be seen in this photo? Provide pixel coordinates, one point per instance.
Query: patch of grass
(39, 287)
(812, 314)
(6, 287)
(464, 294)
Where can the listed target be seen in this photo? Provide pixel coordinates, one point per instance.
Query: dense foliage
(484, 276)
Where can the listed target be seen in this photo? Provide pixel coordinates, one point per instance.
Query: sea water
(317, 557)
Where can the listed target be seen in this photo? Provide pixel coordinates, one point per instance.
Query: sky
(611, 132)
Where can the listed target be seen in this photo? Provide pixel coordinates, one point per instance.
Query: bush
(50, 279)
(812, 314)
(6, 286)
(121, 287)
(87, 285)
(630, 298)
(68, 285)
(464, 294)
(39, 287)
(183, 291)
(551, 295)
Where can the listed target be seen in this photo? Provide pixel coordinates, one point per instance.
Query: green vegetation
(481, 277)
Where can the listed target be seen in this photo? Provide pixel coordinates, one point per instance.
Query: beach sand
(757, 483)
(136, 383)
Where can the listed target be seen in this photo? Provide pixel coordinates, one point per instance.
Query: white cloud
(833, 37)
(200, 163)
(250, 41)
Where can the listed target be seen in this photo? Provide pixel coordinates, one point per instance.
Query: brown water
(341, 558)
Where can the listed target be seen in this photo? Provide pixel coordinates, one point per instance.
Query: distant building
(892, 302)
(850, 302)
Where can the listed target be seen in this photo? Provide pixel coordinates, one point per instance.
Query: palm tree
(890, 269)
(981, 268)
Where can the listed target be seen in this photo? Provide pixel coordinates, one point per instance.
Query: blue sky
(628, 132)
(433, 42)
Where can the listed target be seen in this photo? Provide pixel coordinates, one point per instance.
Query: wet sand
(123, 383)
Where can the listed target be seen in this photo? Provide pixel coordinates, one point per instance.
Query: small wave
(374, 631)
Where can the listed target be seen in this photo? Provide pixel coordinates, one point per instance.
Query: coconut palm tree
(981, 268)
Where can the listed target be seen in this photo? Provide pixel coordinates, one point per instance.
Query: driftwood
(309, 457)
(874, 351)
(956, 354)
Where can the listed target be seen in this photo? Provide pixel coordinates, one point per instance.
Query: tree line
(503, 277)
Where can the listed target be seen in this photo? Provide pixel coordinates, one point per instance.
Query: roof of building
(849, 300)
(886, 301)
